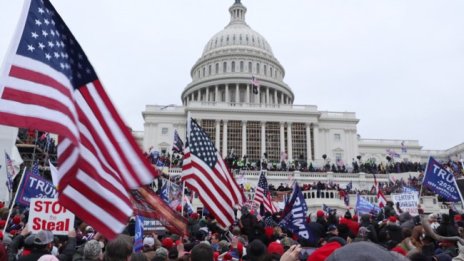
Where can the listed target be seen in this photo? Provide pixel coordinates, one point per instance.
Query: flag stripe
(210, 180)
(123, 131)
(13, 115)
(90, 212)
(213, 192)
(39, 78)
(95, 126)
(223, 217)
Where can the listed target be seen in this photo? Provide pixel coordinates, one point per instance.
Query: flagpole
(14, 200)
(182, 200)
(423, 178)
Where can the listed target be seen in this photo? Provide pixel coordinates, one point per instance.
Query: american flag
(178, 145)
(205, 172)
(381, 200)
(35, 168)
(10, 172)
(49, 84)
(255, 84)
(263, 195)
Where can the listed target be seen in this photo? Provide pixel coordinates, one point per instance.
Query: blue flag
(363, 206)
(326, 208)
(441, 181)
(295, 219)
(34, 186)
(164, 194)
(138, 236)
(349, 186)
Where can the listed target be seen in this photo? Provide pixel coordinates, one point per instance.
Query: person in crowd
(202, 252)
(38, 245)
(367, 223)
(118, 249)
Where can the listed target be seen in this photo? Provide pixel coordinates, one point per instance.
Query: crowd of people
(389, 235)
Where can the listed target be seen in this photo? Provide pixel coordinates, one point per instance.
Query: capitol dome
(230, 59)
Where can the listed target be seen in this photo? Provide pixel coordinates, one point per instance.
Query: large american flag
(205, 172)
(49, 84)
(263, 195)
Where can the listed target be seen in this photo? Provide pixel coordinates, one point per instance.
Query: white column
(218, 133)
(244, 138)
(308, 142)
(289, 141)
(207, 94)
(237, 93)
(224, 139)
(267, 95)
(247, 95)
(275, 96)
(317, 153)
(282, 137)
(227, 93)
(263, 137)
(281, 98)
(216, 93)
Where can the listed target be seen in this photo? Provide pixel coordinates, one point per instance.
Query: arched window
(250, 67)
(265, 69)
(204, 71)
(217, 68)
(241, 66)
(232, 67)
(257, 68)
(209, 69)
(224, 67)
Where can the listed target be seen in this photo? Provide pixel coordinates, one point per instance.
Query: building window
(234, 138)
(257, 68)
(299, 141)
(250, 67)
(337, 137)
(209, 126)
(273, 141)
(217, 68)
(265, 70)
(338, 156)
(241, 66)
(233, 66)
(204, 71)
(253, 141)
(209, 69)
(164, 131)
(224, 67)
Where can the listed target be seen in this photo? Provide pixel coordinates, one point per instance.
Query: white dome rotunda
(230, 58)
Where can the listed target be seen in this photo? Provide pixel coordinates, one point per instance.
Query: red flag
(49, 84)
(148, 204)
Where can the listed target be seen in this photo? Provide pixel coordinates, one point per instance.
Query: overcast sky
(399, 64)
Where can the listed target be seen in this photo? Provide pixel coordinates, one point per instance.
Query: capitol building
(249, 123)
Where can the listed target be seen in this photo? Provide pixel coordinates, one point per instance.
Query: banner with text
(407, 202)
(34, 186)
(151, 225)
(441, 181)
(48, 214)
